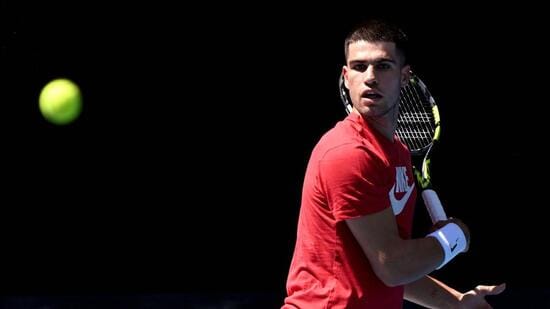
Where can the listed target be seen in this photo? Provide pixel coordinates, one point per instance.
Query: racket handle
(433, 204)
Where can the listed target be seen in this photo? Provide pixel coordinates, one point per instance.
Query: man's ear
(405, 75)
(345, 74)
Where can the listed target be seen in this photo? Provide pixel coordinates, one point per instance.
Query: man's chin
(375, 111)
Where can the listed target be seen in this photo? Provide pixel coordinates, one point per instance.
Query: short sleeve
(355, 181)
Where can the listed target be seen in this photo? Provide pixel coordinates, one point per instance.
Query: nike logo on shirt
(401, 185)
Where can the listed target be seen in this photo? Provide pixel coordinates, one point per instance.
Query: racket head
(418, 123)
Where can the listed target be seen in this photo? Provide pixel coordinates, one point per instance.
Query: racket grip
(433, 204)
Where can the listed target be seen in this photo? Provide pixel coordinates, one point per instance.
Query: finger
(490, 289)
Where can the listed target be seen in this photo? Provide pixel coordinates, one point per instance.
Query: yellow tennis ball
(60, 101)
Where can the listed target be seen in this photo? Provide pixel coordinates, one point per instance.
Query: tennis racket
(418, 127)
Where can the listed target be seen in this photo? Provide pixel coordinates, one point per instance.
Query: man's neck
(385, 125)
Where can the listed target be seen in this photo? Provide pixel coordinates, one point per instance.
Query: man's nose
(370, 76)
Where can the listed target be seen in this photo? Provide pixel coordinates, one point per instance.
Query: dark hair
(379, 30)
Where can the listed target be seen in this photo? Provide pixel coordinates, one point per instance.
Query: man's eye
(382, 66)
(360, 67)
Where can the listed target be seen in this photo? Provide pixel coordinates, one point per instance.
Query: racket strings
(416, 124)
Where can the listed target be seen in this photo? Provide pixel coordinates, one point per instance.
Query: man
(354, 246)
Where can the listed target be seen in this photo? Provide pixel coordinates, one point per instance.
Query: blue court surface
(143, 301)
(511, 298)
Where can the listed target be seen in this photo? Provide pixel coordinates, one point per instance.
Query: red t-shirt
(353, 171)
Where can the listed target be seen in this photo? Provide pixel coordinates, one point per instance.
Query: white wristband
(452, 240)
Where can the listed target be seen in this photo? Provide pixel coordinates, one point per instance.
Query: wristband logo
(454, 246)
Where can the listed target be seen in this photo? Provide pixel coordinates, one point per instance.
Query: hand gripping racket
(418, 127)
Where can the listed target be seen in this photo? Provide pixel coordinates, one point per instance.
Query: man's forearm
(431, 293)
(407, 261)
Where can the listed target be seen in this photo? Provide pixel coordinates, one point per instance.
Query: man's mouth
(372, 96)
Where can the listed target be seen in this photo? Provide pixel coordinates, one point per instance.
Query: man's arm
(432, 293)
(395, 261)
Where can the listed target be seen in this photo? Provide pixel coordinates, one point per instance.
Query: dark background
(183, 173)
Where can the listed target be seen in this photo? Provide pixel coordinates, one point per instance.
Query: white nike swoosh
(396, 204)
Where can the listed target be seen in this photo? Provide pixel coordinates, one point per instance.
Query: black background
(184, 171)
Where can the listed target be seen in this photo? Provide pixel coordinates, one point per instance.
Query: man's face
(374, 75)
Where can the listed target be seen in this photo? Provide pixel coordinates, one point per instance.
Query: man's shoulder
(345, 142)
(339, 136)
(335, 146)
